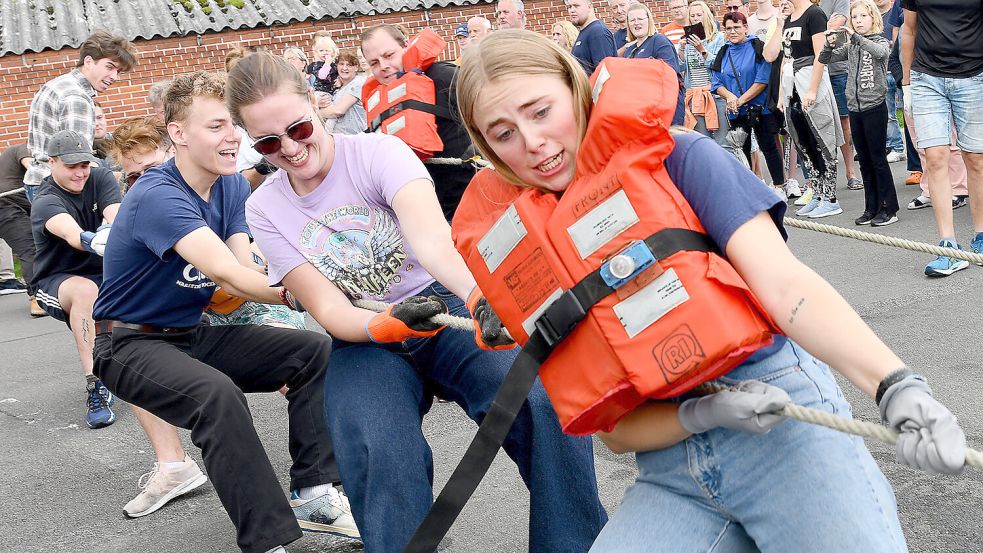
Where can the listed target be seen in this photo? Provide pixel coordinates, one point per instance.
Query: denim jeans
(800, 487)
(375, 398)
(937, 102)
(31, 191)
(894, 141)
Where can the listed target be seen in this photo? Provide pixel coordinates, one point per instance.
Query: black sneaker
(12, 286)
(864, 219)
(883, 219)
(959, 201)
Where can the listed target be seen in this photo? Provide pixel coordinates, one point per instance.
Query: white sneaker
(329, 513)
(160, 486)
(792, 189)
(805, 198)
(895, 156)
(781, 193)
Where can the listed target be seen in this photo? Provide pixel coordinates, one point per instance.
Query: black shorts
(47, 294)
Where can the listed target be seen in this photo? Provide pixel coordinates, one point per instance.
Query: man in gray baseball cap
(70, 147)
(70, 220)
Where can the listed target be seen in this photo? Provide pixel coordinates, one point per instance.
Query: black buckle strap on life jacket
(555, 324)
(438, 111)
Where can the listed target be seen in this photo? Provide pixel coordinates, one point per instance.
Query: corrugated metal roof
(36, 25)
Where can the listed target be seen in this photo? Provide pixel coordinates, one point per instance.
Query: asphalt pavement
(64, 486)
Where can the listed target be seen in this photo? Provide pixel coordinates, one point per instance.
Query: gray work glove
(930, 438)
(749, 407)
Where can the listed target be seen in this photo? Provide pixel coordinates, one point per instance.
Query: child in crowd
(323, 70)
(867, 51)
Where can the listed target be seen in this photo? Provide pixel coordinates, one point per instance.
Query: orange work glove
(408, 319)
(488, 330)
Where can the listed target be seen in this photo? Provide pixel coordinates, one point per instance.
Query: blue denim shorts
(937, 102)
(839, 92)
(800, 487)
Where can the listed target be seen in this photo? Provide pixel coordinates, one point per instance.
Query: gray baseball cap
(70, 147)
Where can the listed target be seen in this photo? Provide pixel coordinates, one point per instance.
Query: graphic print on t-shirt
(365, 258)
(789, 35)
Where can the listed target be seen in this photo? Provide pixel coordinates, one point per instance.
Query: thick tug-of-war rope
(11, 192)
(476, 161)
(792, 411)
(885, 240)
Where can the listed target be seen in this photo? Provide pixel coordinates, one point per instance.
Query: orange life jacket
(224, 303)
(406, 106)
(679, 313)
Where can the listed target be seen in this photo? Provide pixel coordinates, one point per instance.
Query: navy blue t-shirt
(724, 195)
(620, 38)
(144, 280)
(594, 43)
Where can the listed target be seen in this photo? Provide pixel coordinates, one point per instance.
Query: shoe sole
(800, 200)
(937, 273)
(922, 206)
(97, 425)
(890, 221)
(811, 214)
(176, 492)
(318, 528)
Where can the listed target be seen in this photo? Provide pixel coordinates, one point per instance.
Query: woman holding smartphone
(705, 112)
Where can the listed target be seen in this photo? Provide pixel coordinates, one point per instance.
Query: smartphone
(837, 38)
(695, 30)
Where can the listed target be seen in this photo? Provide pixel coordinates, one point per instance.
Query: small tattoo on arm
(85, 330)
(795, 310)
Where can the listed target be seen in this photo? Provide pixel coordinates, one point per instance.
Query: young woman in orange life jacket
(716, 472)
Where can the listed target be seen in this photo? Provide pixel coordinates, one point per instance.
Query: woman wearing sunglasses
(356, 216)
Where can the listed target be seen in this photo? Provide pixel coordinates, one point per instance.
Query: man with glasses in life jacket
(410, 95)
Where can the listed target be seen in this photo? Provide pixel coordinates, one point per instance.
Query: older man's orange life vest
(664, 311)
(406, 106)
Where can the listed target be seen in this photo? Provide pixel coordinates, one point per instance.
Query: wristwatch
(891, 380)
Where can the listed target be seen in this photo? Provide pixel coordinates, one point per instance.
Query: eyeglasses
(733, 8)
(270, 144)
(131, 178)
(734, 29)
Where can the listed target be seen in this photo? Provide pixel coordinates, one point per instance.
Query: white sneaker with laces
(160, 486)
(329, 513)
(895, 156)
(792, 189)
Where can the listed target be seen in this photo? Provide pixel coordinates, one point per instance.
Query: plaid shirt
(63, 103)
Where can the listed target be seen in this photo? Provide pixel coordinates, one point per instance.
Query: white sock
(277, 549)
(172, 466)
(313, 491)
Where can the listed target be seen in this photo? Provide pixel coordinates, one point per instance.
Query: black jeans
(867, 127)
(15, 229)
(767, 129)
(196, 380)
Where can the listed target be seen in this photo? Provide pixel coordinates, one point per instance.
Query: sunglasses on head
(131, 178)
(270, 144)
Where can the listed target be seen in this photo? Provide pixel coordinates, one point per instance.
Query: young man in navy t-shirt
(595, 41)
(178, 234)
(67, 220)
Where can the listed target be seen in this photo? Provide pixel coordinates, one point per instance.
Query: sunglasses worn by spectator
(733, 8)
(270, 144)
(131, 178)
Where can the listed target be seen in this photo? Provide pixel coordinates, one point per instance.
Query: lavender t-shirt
(346, 227)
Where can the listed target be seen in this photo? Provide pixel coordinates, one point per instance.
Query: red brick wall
(22, 76)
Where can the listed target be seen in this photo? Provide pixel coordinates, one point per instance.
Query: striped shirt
(696, 65)
(63, 103)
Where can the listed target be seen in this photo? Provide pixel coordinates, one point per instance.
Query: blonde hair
(635, 7)
(188, 86)
(568, 29)
(877, 22)
(326, 37)
(512, 53)
(257, 76)
(139, 135)
(709, 23)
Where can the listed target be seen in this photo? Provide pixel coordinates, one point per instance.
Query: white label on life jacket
(650, 303)
(602, 77)
(602, 223)
(373, 101)
(503, 237)
(396, 93)
(529, 325)
(396, 126)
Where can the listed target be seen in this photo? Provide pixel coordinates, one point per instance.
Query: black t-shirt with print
(797, 36)
(949, 38)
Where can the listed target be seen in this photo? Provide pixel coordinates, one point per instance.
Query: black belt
(106, 327)
(556, 323)
(437, 111)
